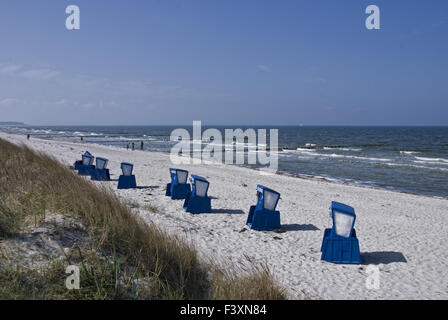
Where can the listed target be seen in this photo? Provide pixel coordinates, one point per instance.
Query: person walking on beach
(28, 137)
(127, 146)
(133, 146)
(141, 145)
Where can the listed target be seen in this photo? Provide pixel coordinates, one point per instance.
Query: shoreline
(278, 172)
(402, 234)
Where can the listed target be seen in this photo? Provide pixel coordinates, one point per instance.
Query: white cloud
(263, 68)
(40, 74)
(32, 73)
(82, 83)
(51, 94)
(10, 69)
(316, 80)
(9, 102)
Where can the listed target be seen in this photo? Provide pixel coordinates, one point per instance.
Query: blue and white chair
(101, 173)
(78, 163)
(86, 166)
(127, 179)
(263, 216)
(340, 244)
(197, 201)
(178, 188)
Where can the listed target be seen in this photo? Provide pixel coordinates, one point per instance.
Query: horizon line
(221, 125)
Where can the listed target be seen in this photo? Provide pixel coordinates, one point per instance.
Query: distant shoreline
(279, 172)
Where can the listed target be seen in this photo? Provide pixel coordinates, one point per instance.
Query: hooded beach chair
(340, 244)
(86, 166)
(101, 173)
(178, 188)
(263, 216)
(197, 201)
(127, 179)
(79, 163)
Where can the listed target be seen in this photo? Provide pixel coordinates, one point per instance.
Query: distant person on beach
(141, 145)
(28, 137)
(82, 138)
(133, 146)
(127, 146)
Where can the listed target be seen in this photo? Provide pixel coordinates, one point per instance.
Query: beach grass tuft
(257, 284)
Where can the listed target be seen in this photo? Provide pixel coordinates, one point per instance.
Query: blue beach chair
(79, 163)
(340, 244)
(127, 179)
(101, 173)
(178, 188)
(85, 167)
(197, 201)
(263, 216)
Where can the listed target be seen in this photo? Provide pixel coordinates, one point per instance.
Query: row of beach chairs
(340, 243)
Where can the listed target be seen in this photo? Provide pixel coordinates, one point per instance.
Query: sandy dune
(404, 235)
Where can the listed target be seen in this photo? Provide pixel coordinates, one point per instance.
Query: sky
(224, 62)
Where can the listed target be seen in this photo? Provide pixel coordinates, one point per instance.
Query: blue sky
(224, 62)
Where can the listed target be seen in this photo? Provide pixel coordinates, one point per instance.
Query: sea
(405, 159)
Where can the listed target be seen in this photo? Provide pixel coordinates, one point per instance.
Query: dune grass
(124, 251)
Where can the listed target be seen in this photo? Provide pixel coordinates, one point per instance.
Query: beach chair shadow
(299, 227)
(227, 211)
(148, 187)
(384, 257)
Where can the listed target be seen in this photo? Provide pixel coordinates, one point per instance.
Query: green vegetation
(125, 258)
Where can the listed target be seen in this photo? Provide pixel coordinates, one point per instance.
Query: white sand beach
(404, 235)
